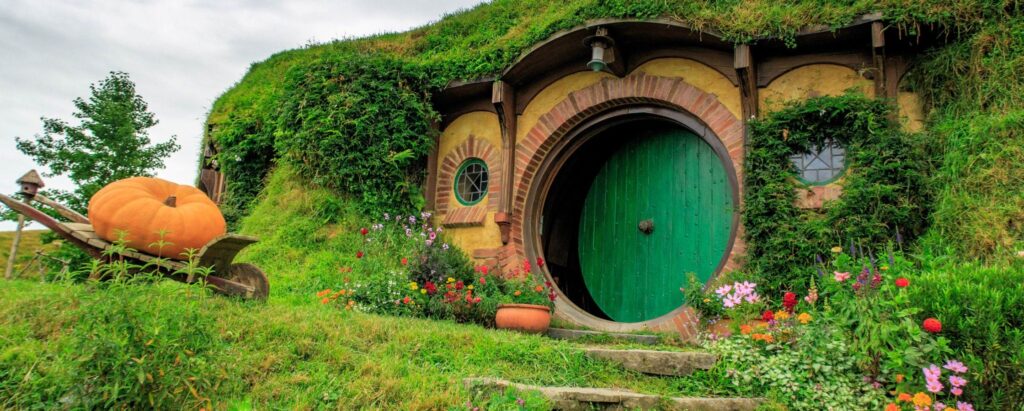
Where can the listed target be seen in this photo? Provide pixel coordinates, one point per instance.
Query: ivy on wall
(883, 188)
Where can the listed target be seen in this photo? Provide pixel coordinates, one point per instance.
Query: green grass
(288, 353)
(31, 241)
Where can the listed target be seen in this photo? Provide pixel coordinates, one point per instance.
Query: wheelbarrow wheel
(250, 275)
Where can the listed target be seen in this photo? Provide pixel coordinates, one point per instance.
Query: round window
(820, 165)
(471, 181)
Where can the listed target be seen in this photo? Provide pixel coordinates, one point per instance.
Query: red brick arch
(611, 94)
(473, 147)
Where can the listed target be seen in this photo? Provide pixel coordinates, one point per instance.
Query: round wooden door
(659, 208)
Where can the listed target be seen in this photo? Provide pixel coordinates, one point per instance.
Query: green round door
(659, 208)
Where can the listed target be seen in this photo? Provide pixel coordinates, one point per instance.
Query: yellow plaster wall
(472, 238)
(700, 76)
(811, 81)
(552, 95)
(483, 125)
(911, 111)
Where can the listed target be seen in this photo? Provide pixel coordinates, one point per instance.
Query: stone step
(672, 363)
(573, 335)
(577, 398)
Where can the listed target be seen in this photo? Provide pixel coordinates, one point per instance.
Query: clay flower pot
(527, 318)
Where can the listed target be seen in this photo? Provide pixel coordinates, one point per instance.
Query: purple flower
(955, 366)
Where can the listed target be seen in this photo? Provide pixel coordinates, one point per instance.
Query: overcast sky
(180, 54)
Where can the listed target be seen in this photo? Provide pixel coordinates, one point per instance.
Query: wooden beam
(14, 247)
(743, 62)
(503, 97)
(878, 59)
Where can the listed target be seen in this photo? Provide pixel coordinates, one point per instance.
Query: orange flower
(325, 301)
(517, 293)
(922, 400)
(904, 397)
(899, 378)
(892, 407)
(746, 329)
(539, 288)
(763, 337)
(323, 293)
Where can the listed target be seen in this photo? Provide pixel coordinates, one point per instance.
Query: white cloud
(180, 54)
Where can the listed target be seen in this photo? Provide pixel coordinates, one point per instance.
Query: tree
(110, 142)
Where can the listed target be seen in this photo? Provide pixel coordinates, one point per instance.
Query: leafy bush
(883, 188)
(982, 314)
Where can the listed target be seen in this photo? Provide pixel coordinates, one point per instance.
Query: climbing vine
(883, 188)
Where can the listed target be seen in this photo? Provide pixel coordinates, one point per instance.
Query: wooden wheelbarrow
(242, 279)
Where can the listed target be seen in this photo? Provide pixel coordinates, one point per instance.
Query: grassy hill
(31, 241)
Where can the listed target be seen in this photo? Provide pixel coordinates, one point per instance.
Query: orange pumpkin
(144, 207)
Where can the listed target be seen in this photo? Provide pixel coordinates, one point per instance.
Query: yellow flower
(837, 249)
(451, 280)
(804, 318)
(781, 315)
(922, 400)
(423, 291)
(413, 286)
(470, 287)
(707, 300)
(884, 268)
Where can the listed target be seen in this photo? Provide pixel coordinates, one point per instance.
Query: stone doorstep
(579, 398)
(670, 363)
(568, 334)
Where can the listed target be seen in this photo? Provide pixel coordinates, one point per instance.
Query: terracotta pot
(528, 318)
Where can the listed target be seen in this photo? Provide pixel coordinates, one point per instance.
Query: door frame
(566, 147)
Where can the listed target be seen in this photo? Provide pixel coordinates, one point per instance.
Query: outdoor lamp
(598, 44)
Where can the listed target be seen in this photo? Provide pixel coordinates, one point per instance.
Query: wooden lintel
(503, 97)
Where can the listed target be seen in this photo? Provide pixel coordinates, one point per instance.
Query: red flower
(540, 262)
(431, 288)
(483, 269)
(359, 254)
(902, 282)
(483, 281)
(768, 315)
(526, 266)
(459, 285)
(364, 231)
(405, 261)
(789, 301)
(932, 325)
(476, 300)
(406, 300)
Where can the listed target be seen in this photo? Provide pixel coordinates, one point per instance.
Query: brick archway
(473, 147)
(587, 103)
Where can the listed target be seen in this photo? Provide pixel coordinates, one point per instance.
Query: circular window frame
(458, 175)
(798, 175)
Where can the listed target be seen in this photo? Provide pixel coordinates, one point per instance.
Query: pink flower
(932, 374)
(723, 290)
(955, 366)
(957, 381)
(956, 391)
(940, 406)
(964, 406)
(841, 277)
(752, 298)
(731, 301)
(934, 386)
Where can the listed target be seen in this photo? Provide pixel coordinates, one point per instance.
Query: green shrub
(883, 188)
(982, 313)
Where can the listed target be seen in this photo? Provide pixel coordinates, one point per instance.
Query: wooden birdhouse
(30, 184)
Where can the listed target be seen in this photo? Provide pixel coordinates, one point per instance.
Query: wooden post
(14, 247)
(503, 96)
